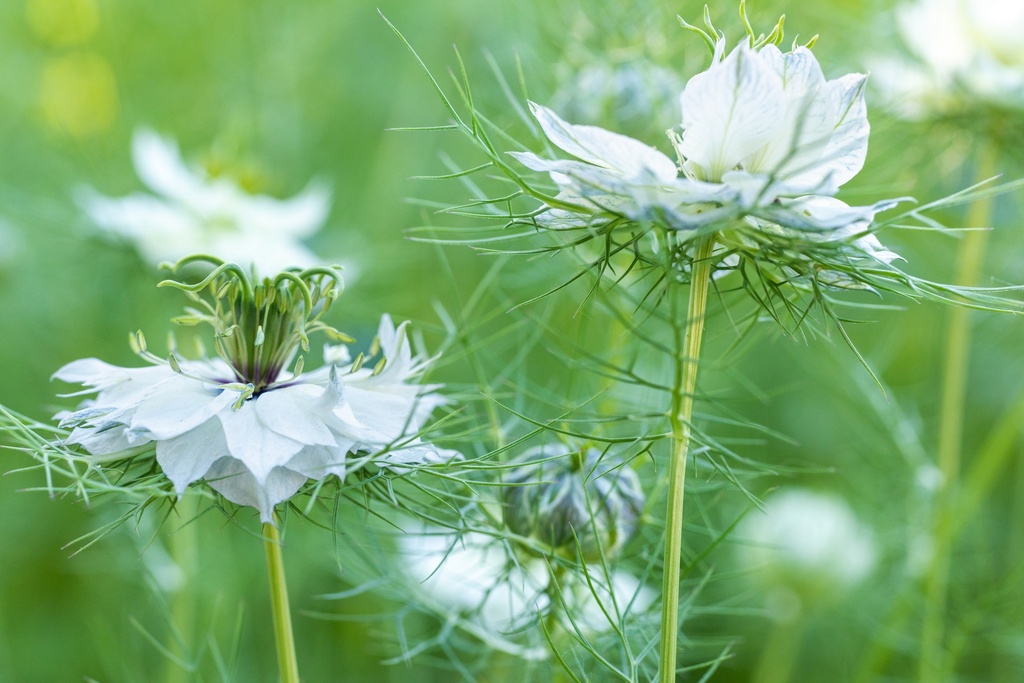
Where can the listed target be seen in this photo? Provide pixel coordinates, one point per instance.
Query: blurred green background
(308, 90)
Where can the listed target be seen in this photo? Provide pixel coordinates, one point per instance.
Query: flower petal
(592, 611)
(473, 574)
(317, 462)
(160, 166)
(188, 457)
(845, 153)
(160, 230)
(270, 255)
(109, 379)
(233, 480)
(252, 443)
(100, 438)
(300, 216)
(821, 213)
(809, 121)
(292, 412)
(729, 112)
(598, 146)
(179, 406)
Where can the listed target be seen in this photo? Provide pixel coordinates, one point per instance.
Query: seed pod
(558, 497)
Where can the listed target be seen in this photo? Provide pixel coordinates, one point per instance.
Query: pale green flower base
(286, 660)
(687, 344)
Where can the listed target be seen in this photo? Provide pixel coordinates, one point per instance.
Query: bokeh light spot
(78, 94)
(63, 22)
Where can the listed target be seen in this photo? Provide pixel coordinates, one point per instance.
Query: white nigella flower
(473, 575)
(964, 53)
(764, 136)
(253, 430)
(804, 538)
(191, 211)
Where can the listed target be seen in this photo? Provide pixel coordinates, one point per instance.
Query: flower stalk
(688, 343)
(283, 637)
(184, 551)
(954, 389)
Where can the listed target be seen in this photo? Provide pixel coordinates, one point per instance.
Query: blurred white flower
(258, 445)
(192, 212)
(475, 576)
(964, 53)
(761, 129)
(805, 540)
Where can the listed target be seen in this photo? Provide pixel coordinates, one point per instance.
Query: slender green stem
(932, 664)
(183, 550)
(687, 343)
(286, 660)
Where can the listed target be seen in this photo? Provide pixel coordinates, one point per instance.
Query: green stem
(687, 344)
(932, 664)
(287, 663)
(183, 550)
(1007, 665)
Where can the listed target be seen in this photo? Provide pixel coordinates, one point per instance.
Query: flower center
(260, 326)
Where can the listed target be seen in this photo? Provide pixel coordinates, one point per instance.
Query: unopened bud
(563, 498)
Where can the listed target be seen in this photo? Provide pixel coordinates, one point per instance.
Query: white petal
(730, 111)
(821, 213)
(269, 254)
(160, 230)
(1000, 25)
(337, 354)
(388, 415)
(186, 458)
(473, 575)
(629, 157)
(799, 69)
(937, 31)
(417, 453)
(585, 179)
(101, 439)
(234, 481)
(251, 442)
(160, 166)
(300, 216)
(179, 406)
(394, 345)
(291, 411)
(871, 245)
(317, 462)
(105, 377)
(823, 539)
(629, 594)
(845, 153)
(810, 119)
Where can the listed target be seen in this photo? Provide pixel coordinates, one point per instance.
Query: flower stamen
(261, 325)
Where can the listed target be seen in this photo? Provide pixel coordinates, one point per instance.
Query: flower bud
(562, 497)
